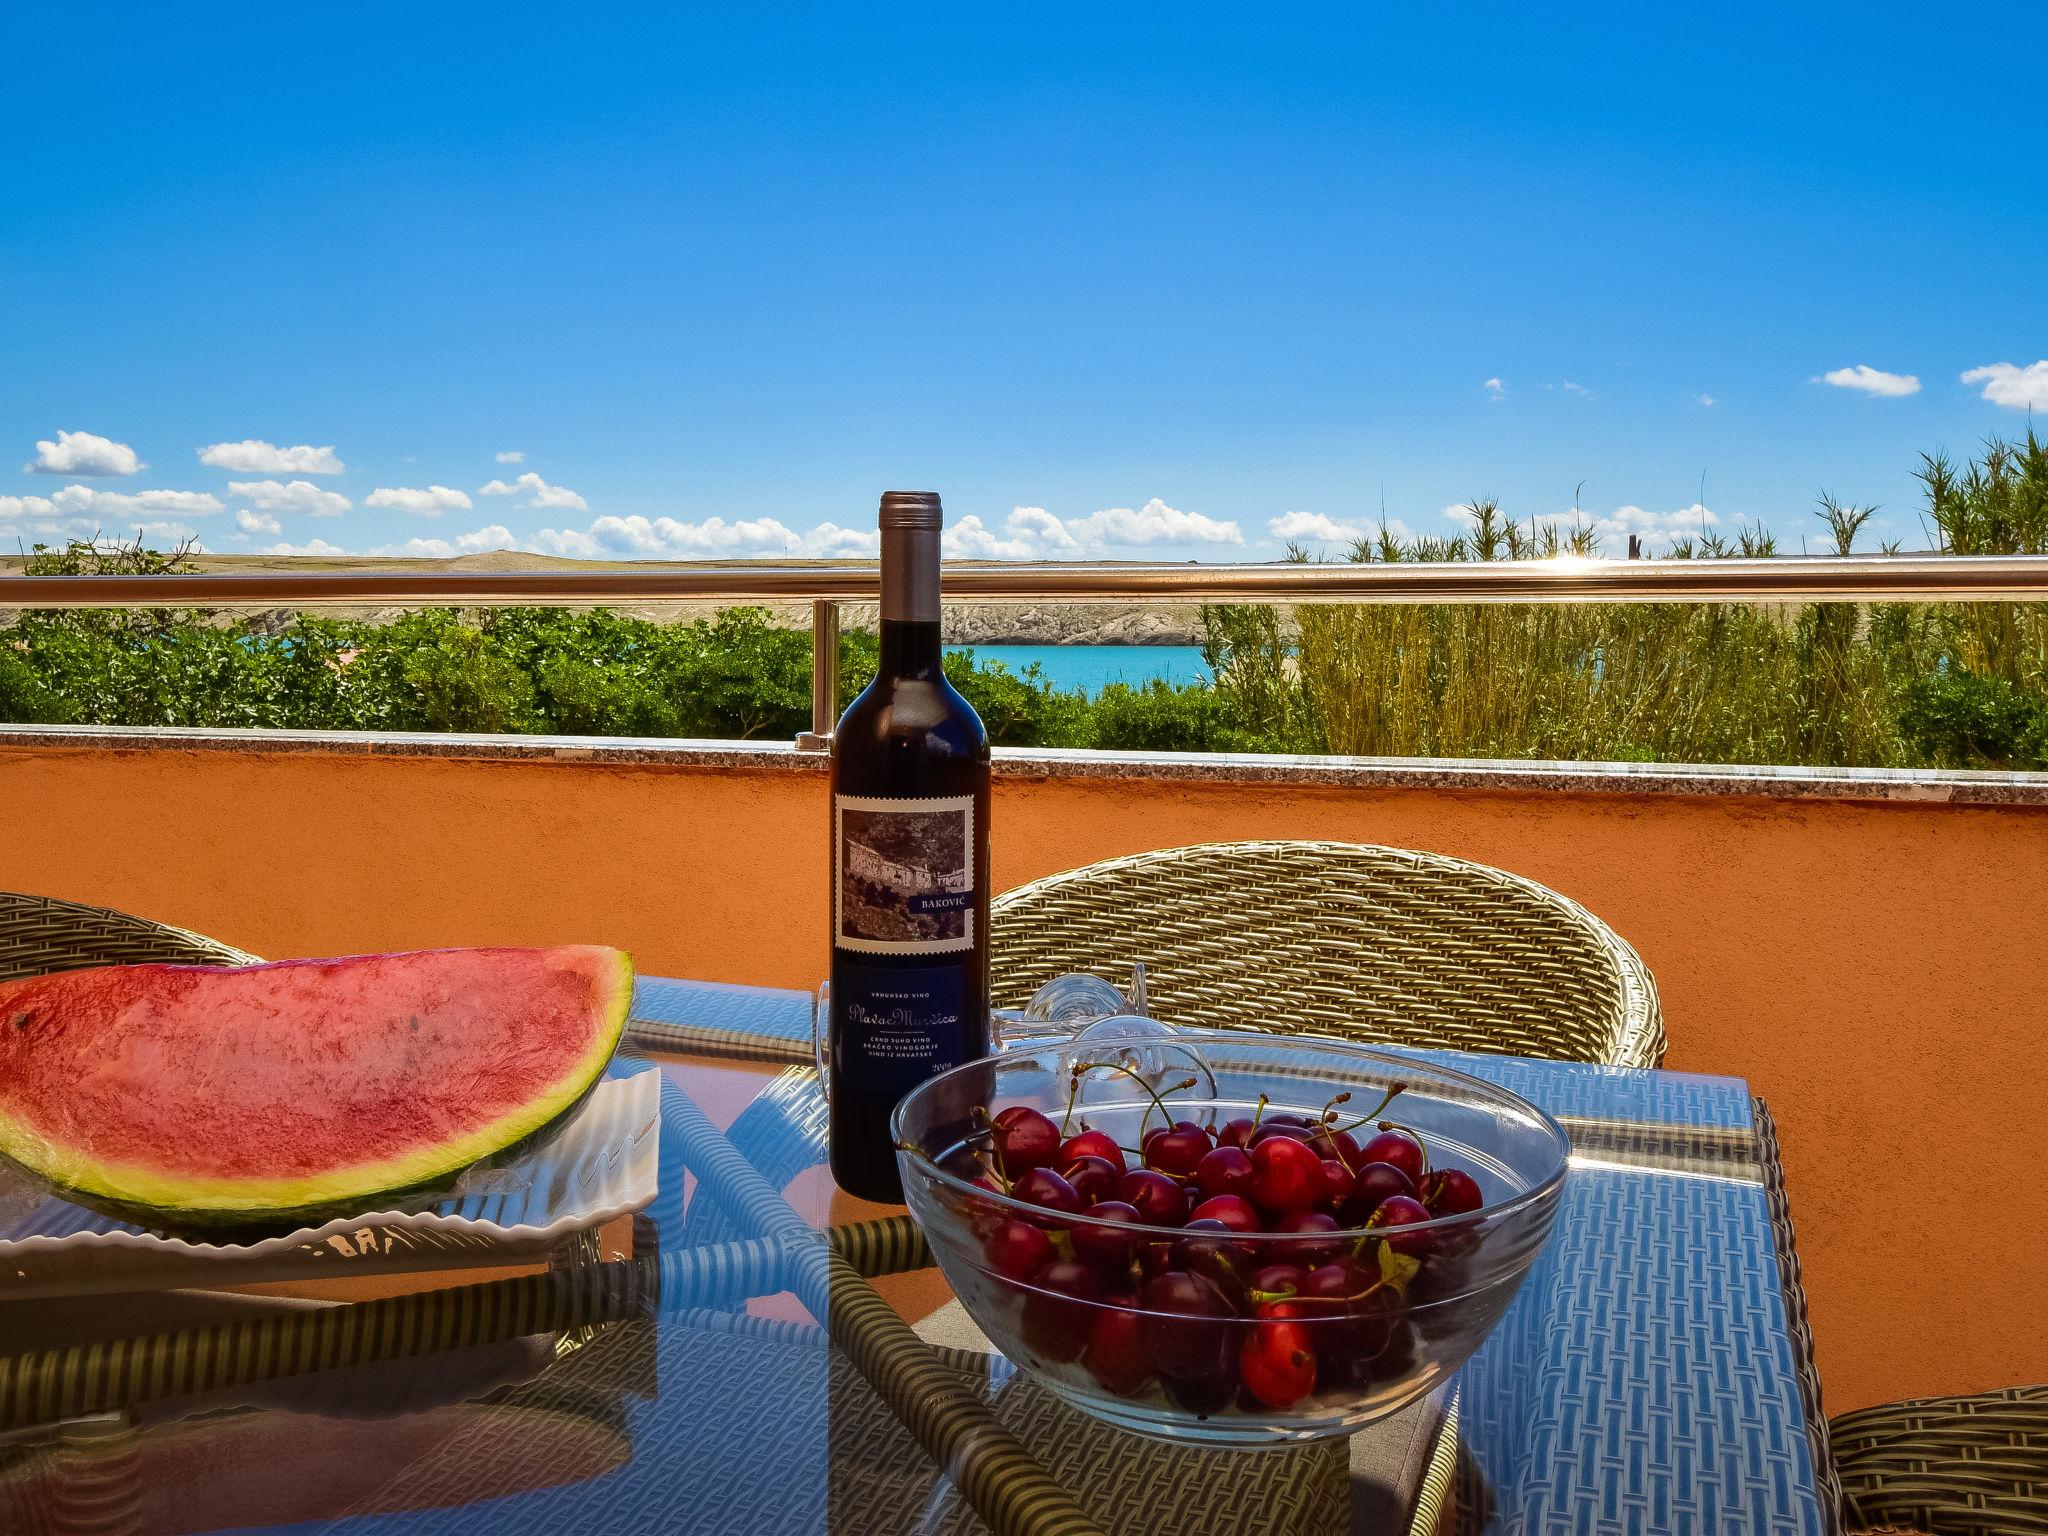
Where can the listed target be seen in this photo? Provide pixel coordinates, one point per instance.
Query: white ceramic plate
(602, 1163)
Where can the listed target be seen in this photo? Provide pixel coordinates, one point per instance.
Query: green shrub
(1957, 720)
(1160, 717)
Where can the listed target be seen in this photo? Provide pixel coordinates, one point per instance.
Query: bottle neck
(911, 650)
(910, 602)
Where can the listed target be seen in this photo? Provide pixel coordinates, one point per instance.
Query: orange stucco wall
(1879, 971)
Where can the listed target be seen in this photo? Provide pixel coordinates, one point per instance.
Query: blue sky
(1177, 283)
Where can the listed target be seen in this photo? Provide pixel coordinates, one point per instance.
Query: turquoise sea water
(1091, 668)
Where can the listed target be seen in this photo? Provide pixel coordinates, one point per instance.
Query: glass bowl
(1195, 1337)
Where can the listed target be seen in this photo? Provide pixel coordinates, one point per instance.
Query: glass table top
(713, 1365)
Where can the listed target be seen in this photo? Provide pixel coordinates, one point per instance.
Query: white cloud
(1495, 390)
(1032, 533)
(1028, 533)
(1873, 381)
(494, 536)
(567, 541)
(2009, 385)
(667, 538)
(511, 456)
(1613, 528)
(538, 493)
(83, 501)
(1706, 402)
(169, 533)
(431, 502)
(248, 522)
(311, 547)
(83, 453)
(1312, 528)
(251, 456)
(299, 498)
(1576, 389)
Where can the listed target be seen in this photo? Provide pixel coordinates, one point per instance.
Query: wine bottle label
(903, 875)
(899, 1026)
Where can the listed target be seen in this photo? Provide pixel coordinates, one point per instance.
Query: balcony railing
(1570, 579)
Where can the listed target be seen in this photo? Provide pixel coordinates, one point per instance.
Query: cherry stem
(1002, 1179)
(1158, 1098)
(1392, 1094)
(1328, 1118)
(1259, 1113)
(1073, 1093)
(995, 1146)
(1264, 1298)
(1413, 1135)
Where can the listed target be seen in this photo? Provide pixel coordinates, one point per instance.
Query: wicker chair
(39, 934)
(1343, 939)
(1949, 1466)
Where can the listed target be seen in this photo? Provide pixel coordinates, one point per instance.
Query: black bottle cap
(915, 510)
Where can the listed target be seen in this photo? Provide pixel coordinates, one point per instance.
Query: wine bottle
(909, 994)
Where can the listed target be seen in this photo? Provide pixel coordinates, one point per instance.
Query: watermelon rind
(152, 1195)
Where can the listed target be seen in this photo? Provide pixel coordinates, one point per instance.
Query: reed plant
(1828, 684)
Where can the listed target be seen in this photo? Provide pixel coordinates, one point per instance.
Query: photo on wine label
(906, 884)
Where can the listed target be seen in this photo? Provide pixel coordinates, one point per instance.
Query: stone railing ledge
(1513, 776)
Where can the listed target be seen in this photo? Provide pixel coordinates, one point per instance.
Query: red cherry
(1212, 1251)
(1178, 1151)
(1336, 1183)
(1278, 1367)
(1335, 1146)
(1268, 1130)
(1186, 1327)
(1236, 1133)
(1375, 1184)
(1403, 1212)
(1352, 1320)
(1398, 1148)
(1451, 1192)
(1115, 1355)
(1016, 1249)
(1092, 1177)
(1091, 1144)
(1058, 1316)
(1025, 1139)
(1316, 1242)
(1233, 1211)
(1043, 1187)
(1204, 1395)
(1160, 1201)
(1224, 1170)
(1106, 1246)
(1277, 1279)
(1286, 1175)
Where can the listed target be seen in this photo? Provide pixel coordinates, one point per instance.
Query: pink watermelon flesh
(264, 1089)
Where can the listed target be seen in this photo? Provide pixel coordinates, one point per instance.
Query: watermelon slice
(260, 1091)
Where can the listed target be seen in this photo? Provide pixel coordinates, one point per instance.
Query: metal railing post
(824, 677)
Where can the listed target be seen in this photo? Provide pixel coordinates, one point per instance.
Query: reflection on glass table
(717, 1365)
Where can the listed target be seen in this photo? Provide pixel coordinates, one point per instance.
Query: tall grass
(1831, 684)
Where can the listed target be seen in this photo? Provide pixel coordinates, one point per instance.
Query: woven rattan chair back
(39, 934)
(1339, 939)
